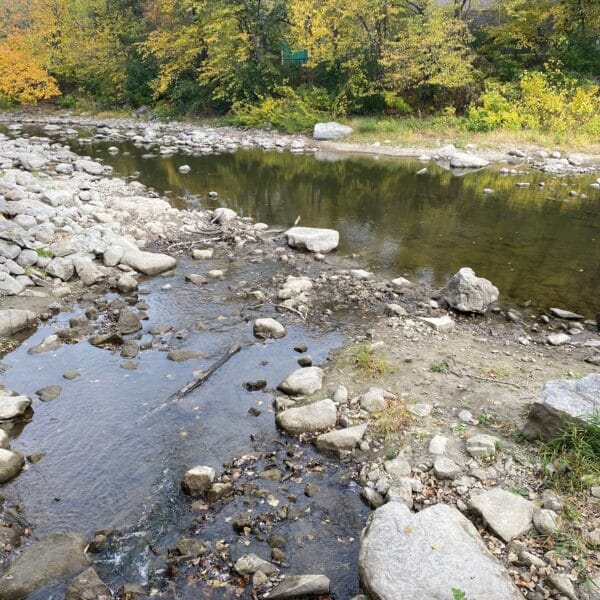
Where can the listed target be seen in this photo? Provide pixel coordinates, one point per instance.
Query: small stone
(398, 467)
(439, 324)
(546, 521)
(251, 563)
(465, 416)
(373, 498)
(373, 400)
(49, 393)
(340, 396)
(444, 468)
(198, 480)
(268, 328)
(482, 445)
(202, 254)
(551, 501)
(558, 339)
(437, 445)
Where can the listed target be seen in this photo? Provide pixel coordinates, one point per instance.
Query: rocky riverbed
(420, 413)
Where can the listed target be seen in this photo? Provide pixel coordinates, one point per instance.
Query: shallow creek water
(114, 453)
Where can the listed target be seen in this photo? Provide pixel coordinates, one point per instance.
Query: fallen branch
(294, 310)
(192, 385)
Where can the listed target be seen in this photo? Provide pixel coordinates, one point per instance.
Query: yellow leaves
(22, 79)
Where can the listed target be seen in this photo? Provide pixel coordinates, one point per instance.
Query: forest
(512, 64)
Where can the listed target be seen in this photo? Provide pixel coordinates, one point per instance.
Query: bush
(539, 101)
(286, 111)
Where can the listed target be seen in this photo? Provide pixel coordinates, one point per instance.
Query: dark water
(537, 244)
(115, 453)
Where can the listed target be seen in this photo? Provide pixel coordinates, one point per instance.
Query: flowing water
(114, 452)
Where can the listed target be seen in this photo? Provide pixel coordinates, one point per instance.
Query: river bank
(515, 153)
(440, 378)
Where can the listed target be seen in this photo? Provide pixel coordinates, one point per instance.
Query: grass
(44, 252)
(393, 420)
(575, 455)
(369, 362)
(442, 129)
(440, 367)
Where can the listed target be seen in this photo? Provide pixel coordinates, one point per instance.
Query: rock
(13, 407)
(9, 250)
(183, 355)
(558, 339)
(561, 403)
(562, 582)
(128, 322)
(309, 418)
(106, 339)
(340, 396)
(89, 166)
(551, 501)
(223, 215)
(11, 464)
(341, 440)
(373, 400)
(566, 314)
(424, 555)
(130, 349)
(198, 480)
(300, 586)
(218, 491)
(444, 468)
(590, 589)
(302, 382)
(148, 263)
(56, 557)
(545, 521)
(401, 282)
(482, 445)
(191, 548)
(330, 131)
(15, 319)
(372, 497)
(61, 267)
(506, 514)
(27, 258)
(202, 254)
(268, 328)
(398, 467)
(313, 239)
(400, 491)
(466, 160)
(420, 409)
(112, 256)
(48, 393)
(9, 286)
(439, 324)
(4, 440)
(48, 344)
(184, 169)
(127, 283)
(437, 445)
(395, 310)
(251, 563)
(88, 586)
(305, 361)
(468, 293)
(466, 416)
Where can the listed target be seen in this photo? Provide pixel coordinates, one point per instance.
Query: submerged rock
(423, 556)
(58, 556)
(466, 292)
(561, 403)
(48, 393)
(308, 419)
(313, 239)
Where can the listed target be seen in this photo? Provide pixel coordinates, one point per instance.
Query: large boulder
(56, 557)
(198, 480)
(87, 270)
(458, 159)
(561, 403)
(15, 319)
(468, 293)
(303, 382)
(313, 239)
(13, 407)
(61, 267)
(505, 513)
(425, 555)
(11, 464)
(88, 586)
(9, 286)
(309, 418)
(148, 263)
(330, 131)
(268, 328)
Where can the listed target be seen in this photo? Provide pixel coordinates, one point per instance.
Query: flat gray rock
(56, 557)
(49, 393)
(300, 586)
(424, 555)
(148, 263)
(506, 514)
(88, 586)
(268, 328)
(562, 402)
(341, 440)
(373, 400)
(466, 292)
(313, 239)
(302, 382)
(566, 314)
(308, 419)
(15, 319)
